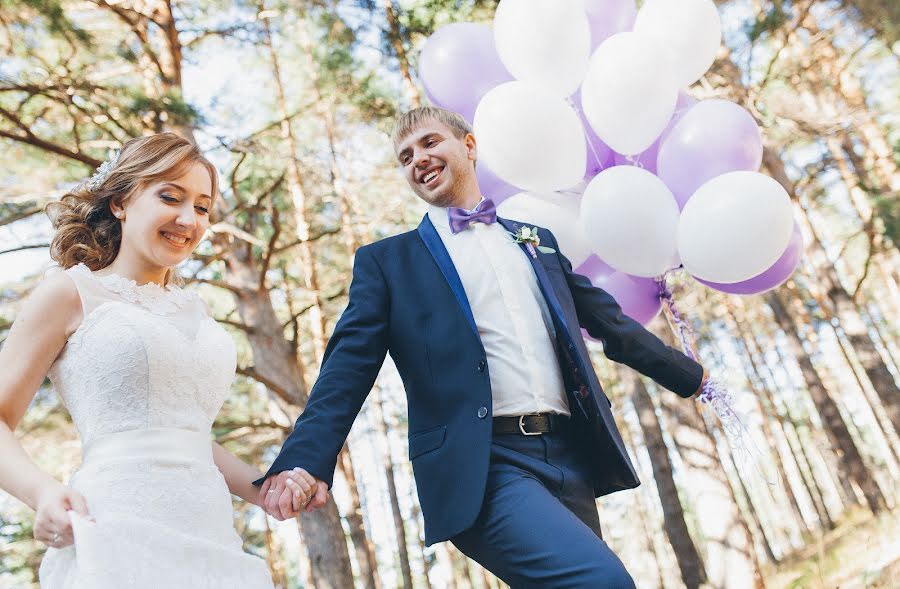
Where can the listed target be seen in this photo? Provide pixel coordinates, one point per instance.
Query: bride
(143, 369)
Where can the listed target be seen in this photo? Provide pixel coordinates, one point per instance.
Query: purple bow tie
(485, 212)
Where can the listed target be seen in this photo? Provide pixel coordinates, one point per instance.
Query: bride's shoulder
(56, 299)
(60, 285)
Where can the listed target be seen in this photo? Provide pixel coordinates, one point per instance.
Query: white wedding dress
(143, 378)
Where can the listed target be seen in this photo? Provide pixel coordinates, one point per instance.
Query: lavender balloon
(493, 187)
(713, 137)
(638, 297)
(608, 17)
(459, 64)
(647, 158)
(780, 271)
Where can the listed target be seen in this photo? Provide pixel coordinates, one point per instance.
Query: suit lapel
(540, 272)
(439, 252)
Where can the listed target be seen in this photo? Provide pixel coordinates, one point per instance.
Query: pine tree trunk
(845, 309)
(365, 552)
(420, 534)
(395, 37)
(274, 558)
(730, 556)
(688, 557)
(815, 445)
(465, 569)
(850, 462)
(768, 412)
(388, 465)
(276, 364)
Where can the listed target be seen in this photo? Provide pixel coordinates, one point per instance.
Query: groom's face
(437, 164)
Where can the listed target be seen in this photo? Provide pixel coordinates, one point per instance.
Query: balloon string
(713, 394)
(586, 140)
(635, 161)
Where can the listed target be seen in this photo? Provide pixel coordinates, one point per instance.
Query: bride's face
(163, 223)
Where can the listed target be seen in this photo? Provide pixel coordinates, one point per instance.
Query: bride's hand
(286, 494)
(52, 524)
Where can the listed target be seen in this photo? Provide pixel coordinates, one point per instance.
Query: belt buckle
(522, 427)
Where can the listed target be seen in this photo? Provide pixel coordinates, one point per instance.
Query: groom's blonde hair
(415, 118)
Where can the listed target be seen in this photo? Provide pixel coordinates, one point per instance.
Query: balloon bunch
(583, 126)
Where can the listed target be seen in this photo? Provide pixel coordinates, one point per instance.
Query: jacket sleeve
(353, 357)
(625, 340)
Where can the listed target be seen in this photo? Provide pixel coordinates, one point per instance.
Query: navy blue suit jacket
(406, 298)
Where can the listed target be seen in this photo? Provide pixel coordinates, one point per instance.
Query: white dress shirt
(511, 315)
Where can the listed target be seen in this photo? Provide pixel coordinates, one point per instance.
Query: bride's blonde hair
(87, 232)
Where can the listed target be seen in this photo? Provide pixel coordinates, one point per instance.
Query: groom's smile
(430, 177)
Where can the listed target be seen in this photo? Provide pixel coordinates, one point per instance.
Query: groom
(510, 434)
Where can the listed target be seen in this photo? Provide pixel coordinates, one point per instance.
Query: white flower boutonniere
(529, 236)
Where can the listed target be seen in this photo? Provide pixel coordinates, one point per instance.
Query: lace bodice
(143, 357)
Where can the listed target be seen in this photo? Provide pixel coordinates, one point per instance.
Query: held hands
(290, 492)
(52, 524)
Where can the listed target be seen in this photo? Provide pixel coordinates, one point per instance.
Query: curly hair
(87, 232)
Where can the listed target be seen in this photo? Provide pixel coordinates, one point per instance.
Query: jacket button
(482, 412)
(482, 365)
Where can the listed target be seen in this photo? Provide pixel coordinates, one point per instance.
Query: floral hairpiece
(94, 183)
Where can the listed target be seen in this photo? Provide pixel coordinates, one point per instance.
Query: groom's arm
(625, 340)
(353, 357)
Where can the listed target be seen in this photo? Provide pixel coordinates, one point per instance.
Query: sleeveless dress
(143, 377)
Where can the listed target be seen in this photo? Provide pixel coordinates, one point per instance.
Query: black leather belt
(529, 425)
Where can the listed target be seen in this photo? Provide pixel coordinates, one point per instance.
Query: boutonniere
(529, 236)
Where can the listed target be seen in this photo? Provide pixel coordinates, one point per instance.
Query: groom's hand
(286, 494)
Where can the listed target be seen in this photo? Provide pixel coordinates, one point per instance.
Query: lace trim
(156, 299)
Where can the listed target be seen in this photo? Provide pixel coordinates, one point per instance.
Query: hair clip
(93, 183)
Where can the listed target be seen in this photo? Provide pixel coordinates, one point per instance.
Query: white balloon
(689, 32)
(629, 94)
(530, 138)
(544, 41)
(558, 212)
(630, 219)
(735, 227)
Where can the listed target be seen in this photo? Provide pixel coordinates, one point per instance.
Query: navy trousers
(538, 525)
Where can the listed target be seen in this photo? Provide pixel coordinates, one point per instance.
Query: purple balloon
(647, 158)
(459, 65)
(608, 17)
(712, 138)
(779, 272)
(638, 297)
(492, 186)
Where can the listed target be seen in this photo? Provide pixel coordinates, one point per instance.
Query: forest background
(294, 100)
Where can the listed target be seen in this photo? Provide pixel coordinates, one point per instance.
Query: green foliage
(53, 12)
(887, 208)
(170, 109)
(771, 20)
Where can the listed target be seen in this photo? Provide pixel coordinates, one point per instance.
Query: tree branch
(223, 227)
(250, 372)
(221, 284)
(871, 235)
(31, 139)
(295, 316)
(267, 259)
(25, 247)
(295, 243)
(236, 324)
